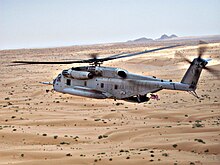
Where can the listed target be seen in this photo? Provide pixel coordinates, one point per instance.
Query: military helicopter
(99, 82)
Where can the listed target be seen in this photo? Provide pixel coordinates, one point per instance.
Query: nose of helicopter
(56, 82)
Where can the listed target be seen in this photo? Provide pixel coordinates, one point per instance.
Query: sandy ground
(37, 127)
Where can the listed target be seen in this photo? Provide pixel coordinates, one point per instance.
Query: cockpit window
(59, 78)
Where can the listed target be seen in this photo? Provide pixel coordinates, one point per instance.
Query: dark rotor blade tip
(201, 48)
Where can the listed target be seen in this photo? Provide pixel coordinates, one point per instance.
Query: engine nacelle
(80, 75)
(122, 73)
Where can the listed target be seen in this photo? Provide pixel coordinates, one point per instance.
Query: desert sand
(39, 127)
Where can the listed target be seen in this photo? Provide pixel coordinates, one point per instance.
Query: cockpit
(57, 79)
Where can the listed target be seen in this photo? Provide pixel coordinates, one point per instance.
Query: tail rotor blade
(201, 48)
(208, 59)
(180, 54)
(201, 51)
(187, 60)
(212, 71)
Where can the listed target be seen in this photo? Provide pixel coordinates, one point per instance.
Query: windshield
(57, 79)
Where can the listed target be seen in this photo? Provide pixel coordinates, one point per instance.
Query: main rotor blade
(138, 53)
(113, 56)
(62, 62)
(48, 62)
(94, 59)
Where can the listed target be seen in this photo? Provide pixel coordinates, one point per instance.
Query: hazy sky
(42, 23)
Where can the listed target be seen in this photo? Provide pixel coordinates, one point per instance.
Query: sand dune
(39, 127)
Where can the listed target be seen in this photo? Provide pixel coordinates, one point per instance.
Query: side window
(68, 82)
(85, 83)
(102, 85)
(116, 86)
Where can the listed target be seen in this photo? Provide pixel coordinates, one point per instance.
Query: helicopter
(100, 82)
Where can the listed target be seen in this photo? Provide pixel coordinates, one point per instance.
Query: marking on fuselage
(174, 86)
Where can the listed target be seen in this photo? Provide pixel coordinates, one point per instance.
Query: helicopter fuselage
(107, 82)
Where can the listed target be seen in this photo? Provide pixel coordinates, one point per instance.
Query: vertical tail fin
(192, 75)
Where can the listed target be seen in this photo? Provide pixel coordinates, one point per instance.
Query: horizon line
(49, 46)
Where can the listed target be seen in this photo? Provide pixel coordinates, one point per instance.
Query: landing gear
(142, 98)
(154, 96)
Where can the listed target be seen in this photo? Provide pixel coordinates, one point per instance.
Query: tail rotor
(192, 75)
(201, 50)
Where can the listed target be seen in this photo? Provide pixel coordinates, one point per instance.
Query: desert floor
(39, 127)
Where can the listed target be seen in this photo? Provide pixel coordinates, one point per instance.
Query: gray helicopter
(96, 81)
